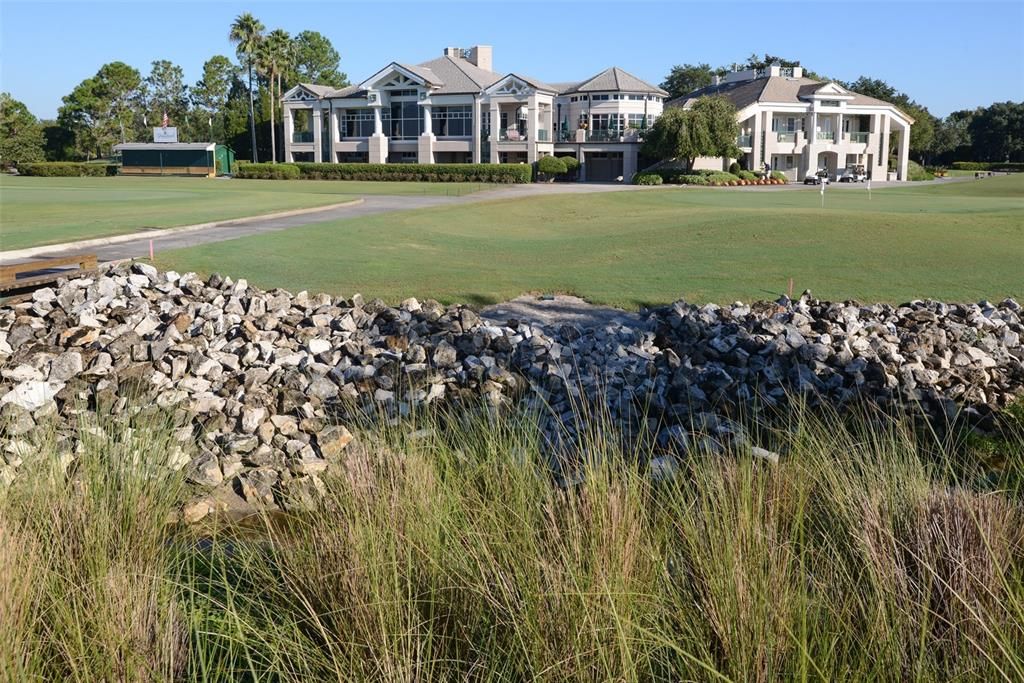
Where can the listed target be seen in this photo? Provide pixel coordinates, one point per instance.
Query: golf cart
(819, 178)
(854, 174)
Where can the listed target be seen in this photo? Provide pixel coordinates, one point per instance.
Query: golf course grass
(955, 241)
(37, 211)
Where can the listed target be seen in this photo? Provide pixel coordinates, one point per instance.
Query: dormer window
(830, 103)
(786, 72)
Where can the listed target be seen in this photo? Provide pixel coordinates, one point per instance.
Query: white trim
(394, 67)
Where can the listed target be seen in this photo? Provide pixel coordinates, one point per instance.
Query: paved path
(372, 204)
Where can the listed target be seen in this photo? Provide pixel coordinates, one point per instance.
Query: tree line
(235, 102)
(991, 133)
(238, 103)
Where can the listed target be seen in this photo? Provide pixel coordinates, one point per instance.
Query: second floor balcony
(826, 136)
(302, 136)
(859, 137)
(787, 136)
(744, 140)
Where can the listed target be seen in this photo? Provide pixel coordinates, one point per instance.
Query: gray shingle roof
(458, 75)
(318, 90)
(768, 89)
(423, 72)
(615, 79)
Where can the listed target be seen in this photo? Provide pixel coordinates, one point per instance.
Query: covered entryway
(603, 167)
(828, 161)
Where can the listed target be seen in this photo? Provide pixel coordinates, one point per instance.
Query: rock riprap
(268, 383)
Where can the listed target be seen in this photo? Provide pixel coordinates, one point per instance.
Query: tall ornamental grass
(444, 549)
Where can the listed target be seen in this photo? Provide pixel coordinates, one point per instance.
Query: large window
(455, 122)
(302, 125)
(614, 122)
(403, 121)
(638, 121)
(357, 123)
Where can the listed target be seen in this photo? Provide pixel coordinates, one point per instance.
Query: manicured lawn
(961, 241)
(37, 211)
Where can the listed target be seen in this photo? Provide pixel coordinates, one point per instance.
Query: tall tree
(210, 93)
(272, 57)
(100, 109)
(709, 128)
(685, 78)
(997, 132)
(246, 34)
(316, 60)
(21, 135)
(166, 92)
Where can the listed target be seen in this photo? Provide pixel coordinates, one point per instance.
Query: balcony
(542, 135)
(603, 135)
(787, 136)
(302, 136)
(743, 140)
(826, 135)
(859, 137)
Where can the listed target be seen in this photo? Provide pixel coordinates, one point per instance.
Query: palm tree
(277, 48)
(247, 33)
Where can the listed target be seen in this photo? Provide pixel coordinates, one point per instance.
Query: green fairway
(37, 211)
(961, 241)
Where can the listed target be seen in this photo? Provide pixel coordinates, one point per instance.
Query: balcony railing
(743, 140)
(859, 137)
(828, 135)
(603, 135)
(302, 136)
(787, 136)
(542, 135)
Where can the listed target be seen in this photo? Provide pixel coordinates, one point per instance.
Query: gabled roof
(531, 82)
(614, 79)
(777, 89)
(459, 75)
(318, 90)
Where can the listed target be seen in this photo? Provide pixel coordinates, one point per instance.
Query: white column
(885, 145)
(377, 125)
(477, 140)
(428, 127)
(755, 142)
(318, 134)
(495, 125)
(839, 127)
(289, 129)
(904, 154)
(531, 133)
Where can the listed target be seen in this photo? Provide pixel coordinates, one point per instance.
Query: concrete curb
(14, 254)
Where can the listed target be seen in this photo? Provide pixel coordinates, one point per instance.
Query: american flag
(166, 121)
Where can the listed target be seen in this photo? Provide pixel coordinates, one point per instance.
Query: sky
(945, 55)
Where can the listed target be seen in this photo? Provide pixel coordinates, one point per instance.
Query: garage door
(603, 166)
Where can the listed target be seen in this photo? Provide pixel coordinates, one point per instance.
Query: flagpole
(822, 191)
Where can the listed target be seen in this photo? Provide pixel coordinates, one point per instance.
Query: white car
(853, 174)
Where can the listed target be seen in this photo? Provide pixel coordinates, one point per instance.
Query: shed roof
(210, 146)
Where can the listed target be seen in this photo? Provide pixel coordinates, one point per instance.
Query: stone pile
(267, 382)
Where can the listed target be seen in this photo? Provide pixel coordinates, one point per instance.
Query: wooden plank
(10, 273)
(33, 282)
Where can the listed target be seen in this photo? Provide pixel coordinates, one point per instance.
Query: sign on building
(168, 134)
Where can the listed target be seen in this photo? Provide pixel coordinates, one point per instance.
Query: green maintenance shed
(175, 158)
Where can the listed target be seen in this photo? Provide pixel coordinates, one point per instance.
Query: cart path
(243, 227)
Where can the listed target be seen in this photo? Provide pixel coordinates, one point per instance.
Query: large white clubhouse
(456, 109)
(799, 125)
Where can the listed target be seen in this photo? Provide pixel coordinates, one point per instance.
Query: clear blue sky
(946, 55)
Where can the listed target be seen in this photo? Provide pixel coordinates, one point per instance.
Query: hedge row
(267, 172)
(716, 178)
(66, 169)
(647, 179)
(439, 173)
(1003, 166)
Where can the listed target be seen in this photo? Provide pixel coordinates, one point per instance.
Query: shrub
(693, 179)
(648, 179)
(571, 163)
(734, 168)
(476, 173)
(551, 166)
(1007, 167)
(747, 175)
(267, 172)
(66, 169)
(779, 175)
(916, 171)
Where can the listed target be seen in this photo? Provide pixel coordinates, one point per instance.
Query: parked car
(821, 177)
(853, 174)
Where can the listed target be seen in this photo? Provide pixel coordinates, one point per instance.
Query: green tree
(21, 135)
(166, 92)
(709, 128)
(685, 78)
(100, 109)
(953, 137)
(316, 61)
(58, 141)
(997, 132)
(272, 57)
(210, 93)
(246, 34)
